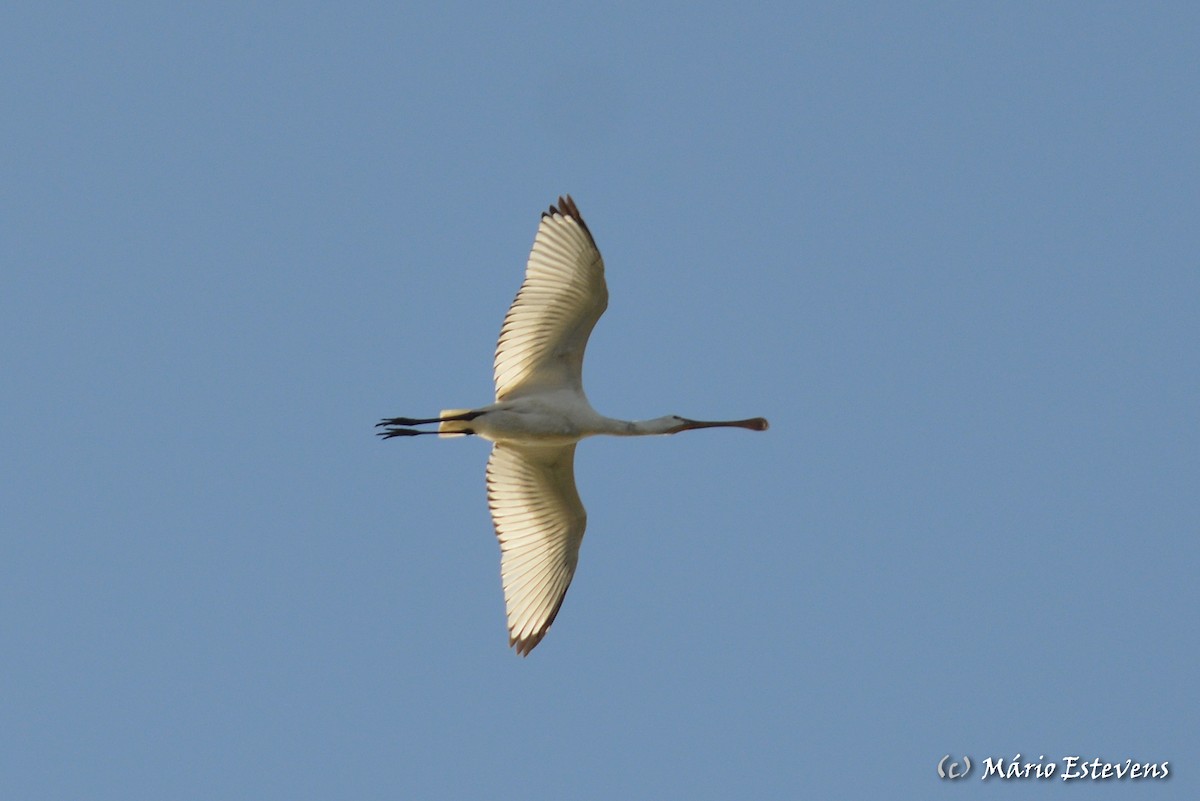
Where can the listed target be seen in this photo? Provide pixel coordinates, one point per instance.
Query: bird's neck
(639, 428)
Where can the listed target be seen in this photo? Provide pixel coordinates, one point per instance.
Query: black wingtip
(566, 208)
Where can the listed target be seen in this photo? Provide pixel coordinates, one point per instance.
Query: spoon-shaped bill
(754, 424)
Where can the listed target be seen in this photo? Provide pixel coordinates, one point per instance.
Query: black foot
(404, 421)
(401, 432)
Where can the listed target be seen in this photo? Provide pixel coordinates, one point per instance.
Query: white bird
(539, 415)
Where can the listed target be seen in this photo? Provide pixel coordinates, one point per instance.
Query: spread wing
(539, 520)
(547, 327)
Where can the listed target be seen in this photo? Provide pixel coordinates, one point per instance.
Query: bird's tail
(448, 428)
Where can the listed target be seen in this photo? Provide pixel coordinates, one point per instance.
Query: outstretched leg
(413, 421)
(396, 431)
(398, 426)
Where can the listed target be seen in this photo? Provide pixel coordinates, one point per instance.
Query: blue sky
(949, 250)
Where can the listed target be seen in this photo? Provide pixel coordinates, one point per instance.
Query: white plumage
(539, 520)
(547, 327)
(539, 415)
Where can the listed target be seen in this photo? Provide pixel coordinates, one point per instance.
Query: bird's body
(554, 417)
(539, 415)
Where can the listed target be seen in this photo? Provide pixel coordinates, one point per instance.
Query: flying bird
(539, 415)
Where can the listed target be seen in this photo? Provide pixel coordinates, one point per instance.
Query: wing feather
(539, 521)
(547, 327)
